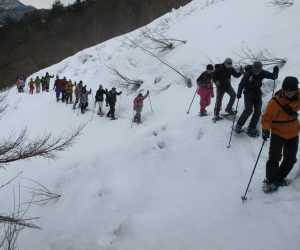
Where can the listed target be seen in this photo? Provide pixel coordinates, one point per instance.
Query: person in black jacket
(251, 83)
(100, 98)
(112, 99)
(222, 76)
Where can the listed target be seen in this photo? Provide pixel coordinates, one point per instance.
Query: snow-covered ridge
(169, 183)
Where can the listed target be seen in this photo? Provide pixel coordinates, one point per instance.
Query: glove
(276, 70)
(120, 92)
(266, 134)
(147, 92)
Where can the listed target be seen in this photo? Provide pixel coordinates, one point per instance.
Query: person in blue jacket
(251, 84)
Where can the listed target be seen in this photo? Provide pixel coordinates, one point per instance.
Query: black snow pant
(280, 147)
(77, 97)
(63, 95)
(220, 93)
(83, 106)
(111, 112)
(253, 101)
(69, 97)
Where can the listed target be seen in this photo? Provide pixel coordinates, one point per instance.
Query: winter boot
(203, 113)
(253, 132)
(282, 183)
(239, 129)
(269, 186)
(230, 111)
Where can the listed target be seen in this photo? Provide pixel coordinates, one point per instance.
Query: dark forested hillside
(45, 37)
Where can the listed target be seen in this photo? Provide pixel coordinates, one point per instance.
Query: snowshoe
(230, 112)
(283, 183)
(253, 133)
(239, 129)
(269, 187)
(217, 118)
(204, 113)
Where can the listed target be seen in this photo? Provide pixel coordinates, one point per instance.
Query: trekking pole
(120, 103)
(244, 198)
(132, 120)
(93, 112)
(150, 104)
(273, 88)
(234, 117)
(191, 102)
(78, 109)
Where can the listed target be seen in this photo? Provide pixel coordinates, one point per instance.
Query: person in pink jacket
(138, 106)
(205, 89)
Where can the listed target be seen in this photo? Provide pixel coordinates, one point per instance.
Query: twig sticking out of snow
(135, 44)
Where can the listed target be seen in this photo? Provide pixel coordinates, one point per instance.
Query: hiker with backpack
(138, 106)
(251, 85)
(69, 91)
(64, 89)
(43, 83)
(281, 120)
(37, 83)
(112, 99)
(31, 86)
(47, 81)
(77, 92)
(205, 89)
(57, 87)
(84, 102)
(221, 78)
(99, 98)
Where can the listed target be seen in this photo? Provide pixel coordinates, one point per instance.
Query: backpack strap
(287, 109)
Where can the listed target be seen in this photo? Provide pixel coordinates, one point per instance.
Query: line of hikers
(279, 121)
(64, 88)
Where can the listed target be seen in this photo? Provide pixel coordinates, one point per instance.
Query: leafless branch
(163, 61)
(40, 195)
(23, 148)
(15, 223)
(124, 81)
(10, 181)
(159, 40)
(247, 56)
(282, 3)
(3, 104)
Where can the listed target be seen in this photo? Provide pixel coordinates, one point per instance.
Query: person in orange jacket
(281, 119)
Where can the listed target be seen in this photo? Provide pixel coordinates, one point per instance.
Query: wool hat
(209, 67)
(257, 65)
(290, 83)
(228, 61)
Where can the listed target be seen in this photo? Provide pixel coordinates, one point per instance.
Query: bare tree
(282, 3)
(124, 81)
(135, 44)
(21, 147)
(15, 223)
(247, 56)
(160, 41)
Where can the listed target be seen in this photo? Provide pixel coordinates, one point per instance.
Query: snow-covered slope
(170, 183)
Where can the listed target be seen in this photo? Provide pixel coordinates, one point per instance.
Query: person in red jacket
(31, 86)
(138, 106)
(205, 88)
(57, 87)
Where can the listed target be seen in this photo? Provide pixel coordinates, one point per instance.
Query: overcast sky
(46, 4)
